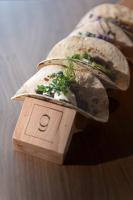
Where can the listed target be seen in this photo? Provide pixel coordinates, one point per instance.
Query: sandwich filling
(58, 85)
(95, 63)
(109, 37)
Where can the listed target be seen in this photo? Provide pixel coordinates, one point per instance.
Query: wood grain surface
(99, 164)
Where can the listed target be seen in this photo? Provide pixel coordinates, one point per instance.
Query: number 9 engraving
(43, 123)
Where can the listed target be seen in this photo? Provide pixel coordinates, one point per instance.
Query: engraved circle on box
(43, 123)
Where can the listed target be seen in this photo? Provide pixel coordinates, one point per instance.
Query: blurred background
(28, 30)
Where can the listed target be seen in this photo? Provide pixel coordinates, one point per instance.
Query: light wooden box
(44, 129)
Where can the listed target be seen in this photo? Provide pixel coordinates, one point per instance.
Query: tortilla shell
(102, 27)
(96, 48)
(114, 11)
(91, 96)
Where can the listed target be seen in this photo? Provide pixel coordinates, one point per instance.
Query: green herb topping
(87, 59)
(87, 34)
(61, 81)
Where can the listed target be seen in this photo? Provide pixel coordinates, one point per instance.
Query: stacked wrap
(79, 68)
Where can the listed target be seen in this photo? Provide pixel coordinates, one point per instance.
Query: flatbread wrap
(105, 30)
(114, 13)
(69, 85)
(101, 58)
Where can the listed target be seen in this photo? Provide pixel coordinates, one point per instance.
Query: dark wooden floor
(99, 164)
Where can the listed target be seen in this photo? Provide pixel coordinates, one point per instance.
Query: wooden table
(28, 31)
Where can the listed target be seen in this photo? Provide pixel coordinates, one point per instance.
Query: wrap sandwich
(70, 85)
(101, 58)
(105, 30)
(114, 13)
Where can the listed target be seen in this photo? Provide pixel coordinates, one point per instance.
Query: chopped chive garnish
(87, 59)
(61, 81)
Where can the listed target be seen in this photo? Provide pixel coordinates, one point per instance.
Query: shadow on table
(99, 142)
(95, 145)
